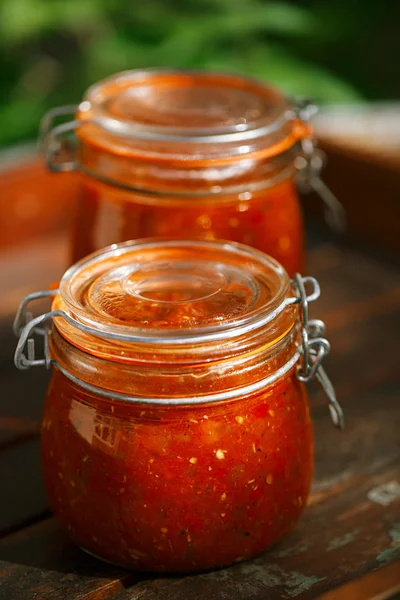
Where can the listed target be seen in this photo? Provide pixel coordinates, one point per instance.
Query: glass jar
(187, 155)
(176, 433)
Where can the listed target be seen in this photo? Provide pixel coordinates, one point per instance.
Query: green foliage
(51, 50)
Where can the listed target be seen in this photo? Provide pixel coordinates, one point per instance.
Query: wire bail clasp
(56, 143)
(309, 165)
(27, 329)
(314, 346)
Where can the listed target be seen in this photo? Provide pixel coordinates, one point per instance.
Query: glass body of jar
(176, 433)
(269, 220)
(177, 488)
(188, 155)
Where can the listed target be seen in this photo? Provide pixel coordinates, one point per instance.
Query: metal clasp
(314, 346)
(309, 165)
(55, 141)
(27, 328)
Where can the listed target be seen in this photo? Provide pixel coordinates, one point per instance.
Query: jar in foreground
(186, 155)
(176, 432)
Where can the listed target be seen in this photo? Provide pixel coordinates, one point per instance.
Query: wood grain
(40, 563)
(369, 188)
(378, 585)
(14, 430)
(22, 493)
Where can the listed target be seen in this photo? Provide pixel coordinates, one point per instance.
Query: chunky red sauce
(177, 489)
(271, 221)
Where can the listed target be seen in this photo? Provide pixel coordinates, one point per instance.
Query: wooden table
(346, 546)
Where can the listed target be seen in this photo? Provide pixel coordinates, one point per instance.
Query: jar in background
(176, 433)
(186, 155)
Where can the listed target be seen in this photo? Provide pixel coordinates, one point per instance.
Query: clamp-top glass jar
(187, 155)
(176, 433)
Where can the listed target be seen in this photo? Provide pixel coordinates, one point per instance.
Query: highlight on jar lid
(188, 114)
(173, 294)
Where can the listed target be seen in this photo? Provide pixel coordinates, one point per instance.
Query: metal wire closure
(51, 139)
(314, 347)
(309, 163)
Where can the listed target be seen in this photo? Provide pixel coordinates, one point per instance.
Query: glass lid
(188, 103)
(150, 108)
(168, 292)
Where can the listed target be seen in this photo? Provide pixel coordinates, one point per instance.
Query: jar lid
(187, 114)
(168, 293)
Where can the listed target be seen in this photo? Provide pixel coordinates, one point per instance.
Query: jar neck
(206, 182)
(216, 380)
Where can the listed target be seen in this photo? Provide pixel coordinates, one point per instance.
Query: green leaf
(109, 54)
(20, 119)
(22, 19)
(295, 77)
(87, 40)
(190, 36)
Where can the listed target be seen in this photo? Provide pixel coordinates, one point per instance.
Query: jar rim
(166, 112)
(128, 80)
(216, 300)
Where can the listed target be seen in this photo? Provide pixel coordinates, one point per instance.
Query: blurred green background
(331, 50)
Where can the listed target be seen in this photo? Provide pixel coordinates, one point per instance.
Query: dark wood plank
(22, 493)
(363, 357)
(14, 430)
(382, 584)
(369, 188)
(22, 393)
(39, 562)
(370, 440)
(351, 280)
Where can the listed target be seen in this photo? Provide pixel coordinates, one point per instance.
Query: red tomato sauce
(271, 221)
(177, 489)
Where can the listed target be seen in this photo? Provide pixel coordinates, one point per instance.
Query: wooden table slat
(40, 563)
(382, 584)
(23, 497)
